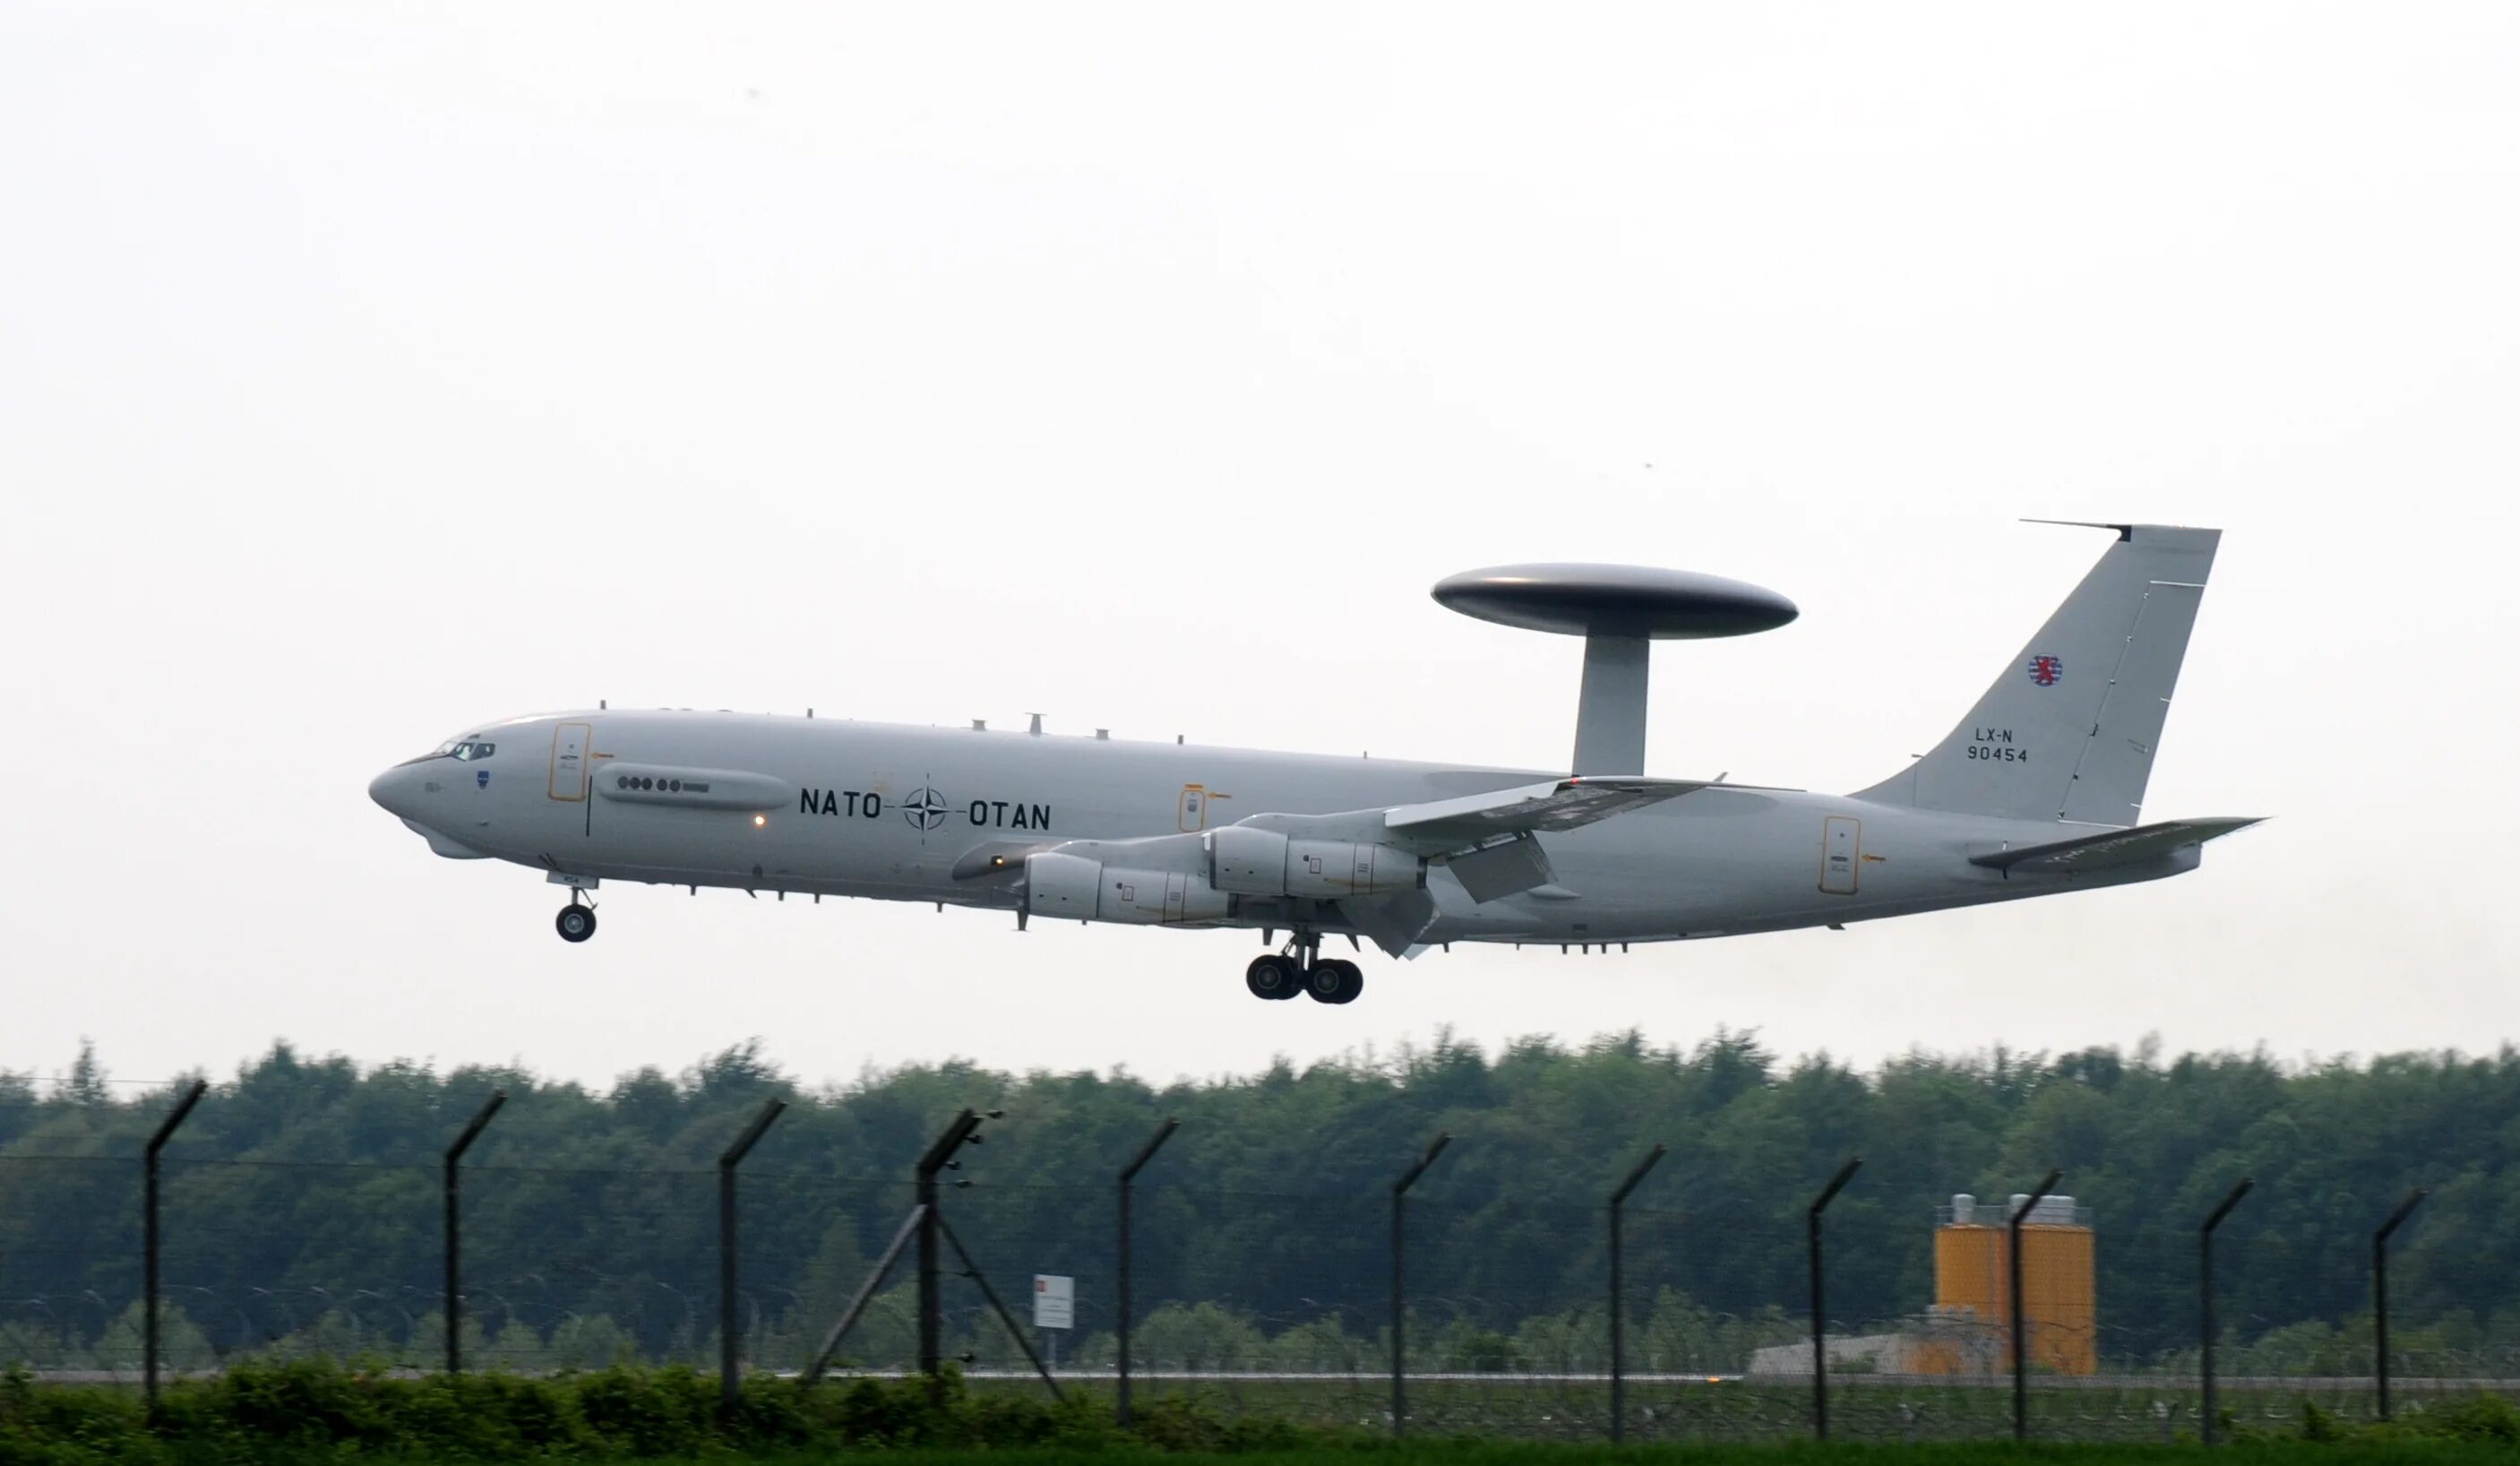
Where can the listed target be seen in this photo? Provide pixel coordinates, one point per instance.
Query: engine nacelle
(1082, 889)
(1263, 862)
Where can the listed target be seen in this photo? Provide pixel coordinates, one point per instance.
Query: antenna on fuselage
(1620, 610)
(1036, 725)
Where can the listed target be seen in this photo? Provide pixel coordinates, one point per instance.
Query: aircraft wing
(2110, 848)
(1488, 840)
(1447, 825)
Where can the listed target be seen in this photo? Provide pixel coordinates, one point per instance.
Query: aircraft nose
(396, 791)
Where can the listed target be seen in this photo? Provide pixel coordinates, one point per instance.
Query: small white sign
(1053, 1302)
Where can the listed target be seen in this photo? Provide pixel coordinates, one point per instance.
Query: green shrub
(2480, 1417)
(899, 1412)
(644, 1412)
(1171, 1423)
(302, 1409)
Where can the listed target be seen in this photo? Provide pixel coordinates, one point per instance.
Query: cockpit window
(468, 749)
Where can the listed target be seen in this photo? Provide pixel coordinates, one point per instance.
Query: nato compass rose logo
(2047, 671)
(926, 809)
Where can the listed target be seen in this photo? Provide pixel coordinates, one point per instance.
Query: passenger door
(1840, 848)
(568, 761)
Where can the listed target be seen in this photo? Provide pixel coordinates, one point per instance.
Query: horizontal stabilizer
(2110, 848)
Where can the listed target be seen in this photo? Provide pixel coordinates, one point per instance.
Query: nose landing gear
(576, 920)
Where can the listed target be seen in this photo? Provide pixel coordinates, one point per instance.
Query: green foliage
(588, 1218)
(2480, 1417)
(180, 1341)
(307, 1411)
(1476, 1350)
(1199, 1336)
(310, 1408)
(1173, 1423)
(2317, 1425)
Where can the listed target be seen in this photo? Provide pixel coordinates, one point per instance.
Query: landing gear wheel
(1334, 980)
(1273, 978)
(575, 922)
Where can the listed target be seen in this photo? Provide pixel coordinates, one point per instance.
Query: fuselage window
(653, 784)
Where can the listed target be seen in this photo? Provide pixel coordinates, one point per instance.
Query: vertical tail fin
(2069, 728)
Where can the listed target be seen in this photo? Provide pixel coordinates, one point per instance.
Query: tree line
(303, 1200)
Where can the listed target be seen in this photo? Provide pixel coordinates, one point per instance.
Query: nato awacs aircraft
(2039, 789)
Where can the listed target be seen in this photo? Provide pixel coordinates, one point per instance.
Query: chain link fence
(1277, 1304)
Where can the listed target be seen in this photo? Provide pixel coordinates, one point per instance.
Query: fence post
(2205, 1295)
(1129, 1173)
(1820, 1314)
(932, 1304)
(2380, 1293)
(2020, 1349)
(1399, 1297)
(1619, 1298)
(149, 1237)
(454, 1197)
(729, 1359)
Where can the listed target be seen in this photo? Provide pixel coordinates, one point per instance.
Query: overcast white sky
(366, 373)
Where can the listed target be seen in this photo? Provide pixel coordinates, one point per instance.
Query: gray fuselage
(886, 811)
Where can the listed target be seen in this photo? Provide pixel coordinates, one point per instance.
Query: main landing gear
(1280, 976)
(576, 920)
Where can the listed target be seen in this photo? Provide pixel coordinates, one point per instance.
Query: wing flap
(2110, 848)
(1508, 867)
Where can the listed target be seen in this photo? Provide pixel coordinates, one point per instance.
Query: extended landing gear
(1278, 976)
(1335, 979)
(1273, 978)
(576, 920)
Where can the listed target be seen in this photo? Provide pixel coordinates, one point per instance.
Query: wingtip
(2126, 532)
(2227, 824)
(2122, 531)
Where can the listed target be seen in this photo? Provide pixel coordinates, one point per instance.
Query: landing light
(760, 820)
